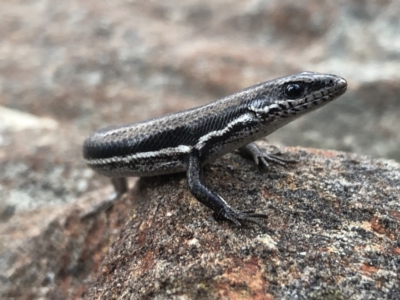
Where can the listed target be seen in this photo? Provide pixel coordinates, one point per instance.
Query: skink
(186, 140)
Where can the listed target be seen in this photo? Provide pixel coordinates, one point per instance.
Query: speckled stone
(332, 233)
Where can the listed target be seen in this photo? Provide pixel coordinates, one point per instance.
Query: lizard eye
(293, 90)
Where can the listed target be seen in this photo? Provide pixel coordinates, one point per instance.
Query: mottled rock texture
(55, 253)
(332, 232)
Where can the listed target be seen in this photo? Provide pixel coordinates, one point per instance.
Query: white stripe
(130, 157)
(172, 150)
(222, 199)
(242, 119)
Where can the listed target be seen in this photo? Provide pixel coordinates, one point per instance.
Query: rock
(54, 253)
(13, 120)
(333, 231)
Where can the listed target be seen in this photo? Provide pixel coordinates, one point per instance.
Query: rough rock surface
(56, 252)
(332, 233)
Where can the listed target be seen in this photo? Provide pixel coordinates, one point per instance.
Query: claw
(265, 157)
(276, 159)
(245, 216)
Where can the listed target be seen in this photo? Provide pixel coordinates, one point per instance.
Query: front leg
(258, 156)
(213, 200)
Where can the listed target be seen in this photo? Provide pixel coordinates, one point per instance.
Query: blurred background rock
(70, 67)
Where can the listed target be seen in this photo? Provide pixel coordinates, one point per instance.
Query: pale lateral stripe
(128, 158)
(257, 110)
(174, 150)
(273, 106)
(205, 138)
(264, 109)
(223, 200)
(295, 103)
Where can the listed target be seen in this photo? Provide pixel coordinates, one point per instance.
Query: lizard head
(292, 96)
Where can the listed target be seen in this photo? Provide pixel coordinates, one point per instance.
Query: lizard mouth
(311, 101)
(340, 87)
(326, 95)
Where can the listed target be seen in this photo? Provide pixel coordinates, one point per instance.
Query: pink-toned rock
(332, 231)
(54, 253)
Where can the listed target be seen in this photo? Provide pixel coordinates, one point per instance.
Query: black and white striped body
(170, 143)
